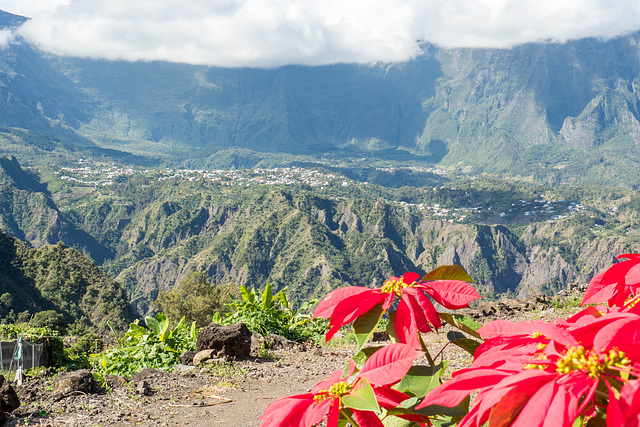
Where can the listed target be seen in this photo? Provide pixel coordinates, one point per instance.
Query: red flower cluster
(584, 370)
(415, 311)
(542, 374)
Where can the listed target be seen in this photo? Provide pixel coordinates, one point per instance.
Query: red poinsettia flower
(539, 374)
(415, 311)
(353, 398)
(616, 284)
(625, 410)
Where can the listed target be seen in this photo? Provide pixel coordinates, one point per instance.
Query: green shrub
(272, 314)
(155, 347)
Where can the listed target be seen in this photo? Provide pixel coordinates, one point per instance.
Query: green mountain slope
(312, 241)
(61, 279)
(28, 213)
(157, 227)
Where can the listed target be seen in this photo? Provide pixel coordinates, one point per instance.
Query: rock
(142, 388)
(145, 374)
(184, 368)
(203, 355)
(186, 358)
(232, 340)
(380, 336)
(257, 341)
(487, 309)
(114, 381)
(275, 342)
(8, 398)
(80, 381)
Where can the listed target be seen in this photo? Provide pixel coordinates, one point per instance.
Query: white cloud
(6, 37)
(30, 7)
(267, 33)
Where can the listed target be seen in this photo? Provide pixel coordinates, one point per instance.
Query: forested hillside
(314, 238)
(313, 231)
(58, 278)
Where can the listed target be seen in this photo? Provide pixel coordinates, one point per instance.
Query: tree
(49, 319)
(196, 298)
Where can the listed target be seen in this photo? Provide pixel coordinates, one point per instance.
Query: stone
(275, 342)
(380, 336)
(186, 358)
(142, 388)
(80, 381)
(487, 309)
(114, 381)
(233, 340)
(257, 341)
(204, 355)
(146, 373)
(8, 398)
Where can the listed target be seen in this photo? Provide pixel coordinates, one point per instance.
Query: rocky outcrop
(232, 341)
(80, 381)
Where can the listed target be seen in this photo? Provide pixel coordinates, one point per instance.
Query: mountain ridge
(553, 113)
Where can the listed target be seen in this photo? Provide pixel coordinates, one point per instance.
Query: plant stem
(348, 417)
(426, 351)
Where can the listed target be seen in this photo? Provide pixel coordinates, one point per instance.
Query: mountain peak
(8, 20)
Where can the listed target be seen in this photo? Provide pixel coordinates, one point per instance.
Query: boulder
(80, 381)
(278, 342)
(8, 398)
(233, 340)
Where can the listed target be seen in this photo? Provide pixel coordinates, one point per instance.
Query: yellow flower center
(337, 390)
(631, 301)
(395, 286)
(589, 362)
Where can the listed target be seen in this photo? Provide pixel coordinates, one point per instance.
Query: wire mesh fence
(27, 355)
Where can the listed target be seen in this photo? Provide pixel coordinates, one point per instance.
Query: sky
(272, 33)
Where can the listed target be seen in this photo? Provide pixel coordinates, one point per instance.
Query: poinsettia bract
(544, 374)
(359, 397)
(415, 312)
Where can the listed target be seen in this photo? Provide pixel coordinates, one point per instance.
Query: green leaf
(152, 324)
(361, 357)
(463, 342)
(464, 323)
(448, 272)
(246, 295)
(365, 325)
(391, 421)
(457, 411)
(282, 295)
(267, 298)
(217, 318)
(361, 397)
(391, 327)
(420, 380)
(162, 324)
